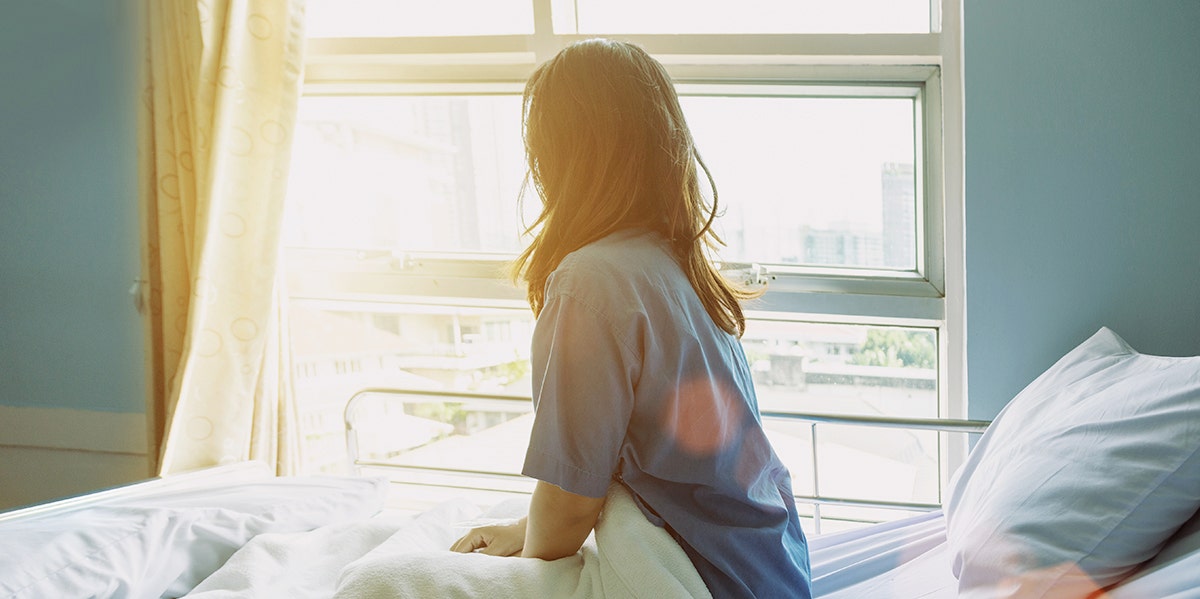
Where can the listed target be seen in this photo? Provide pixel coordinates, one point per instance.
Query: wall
(1082, 183)
(71, 376)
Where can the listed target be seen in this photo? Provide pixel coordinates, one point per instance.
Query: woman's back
(632, 376)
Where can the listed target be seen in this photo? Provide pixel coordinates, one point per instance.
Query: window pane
(811, 181)
(448, 435)
(407, 173)
(338, 352)
(843, 368)
(857, 370)
(399, 18)
(807, 367)
(858, 462)
(746, 16)
(803, 181)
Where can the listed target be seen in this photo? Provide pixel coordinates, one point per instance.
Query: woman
(638, 375)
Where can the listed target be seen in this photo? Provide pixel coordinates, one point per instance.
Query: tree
(898, 348)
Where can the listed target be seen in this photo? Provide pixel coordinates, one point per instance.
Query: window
(831, 129)
(400, 18)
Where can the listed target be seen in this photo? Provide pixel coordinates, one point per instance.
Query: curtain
(221, 83)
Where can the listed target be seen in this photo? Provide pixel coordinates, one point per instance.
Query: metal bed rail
(192, 479)
(468, 478)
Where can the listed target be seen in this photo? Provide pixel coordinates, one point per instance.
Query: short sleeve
(583, 377)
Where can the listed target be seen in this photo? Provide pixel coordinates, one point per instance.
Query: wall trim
(77, 430)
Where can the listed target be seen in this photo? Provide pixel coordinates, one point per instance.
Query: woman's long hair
(608, 149)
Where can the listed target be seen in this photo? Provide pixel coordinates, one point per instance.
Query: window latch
(751, 275)
(758, 275)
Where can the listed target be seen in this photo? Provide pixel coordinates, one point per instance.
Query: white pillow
(1174, 572)
(1083, 476)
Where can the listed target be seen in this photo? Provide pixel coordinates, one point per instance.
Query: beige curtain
(221, 78)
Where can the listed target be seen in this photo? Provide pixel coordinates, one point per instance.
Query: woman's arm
(559, 522)
(557, 525)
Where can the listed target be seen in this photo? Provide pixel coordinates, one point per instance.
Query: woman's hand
(504, 540)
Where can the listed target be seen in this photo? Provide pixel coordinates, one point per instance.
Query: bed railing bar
(506, 403)
(452, 396)
(417, 483)
(440, 470)
(947, 425)
(816, 479)
(816, 499)
(804, 498)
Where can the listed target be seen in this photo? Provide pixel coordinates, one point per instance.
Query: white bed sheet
(900, 559)
(161, 539)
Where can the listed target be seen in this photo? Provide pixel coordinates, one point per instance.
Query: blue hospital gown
(633, 381)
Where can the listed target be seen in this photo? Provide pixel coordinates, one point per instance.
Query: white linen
(1081, 478)
(308, 564)
(925, 576)
(627, 557)
(841, 562)
(163, 543)
(303, 565)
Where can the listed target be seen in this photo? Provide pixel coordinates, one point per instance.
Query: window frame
(926, 65)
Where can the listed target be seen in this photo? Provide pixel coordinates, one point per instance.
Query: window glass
(811, 181)
(797, 367)
(415, 173)
(855, 370)
(802, 181)
(843, 368)
(479, 438)
(402, 18)
(339, 350)
(744, 16)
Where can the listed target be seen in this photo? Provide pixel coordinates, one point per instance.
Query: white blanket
(627, 557)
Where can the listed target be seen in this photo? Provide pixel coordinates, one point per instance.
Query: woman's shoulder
(617, 264)
(621, 253)
(619, 247)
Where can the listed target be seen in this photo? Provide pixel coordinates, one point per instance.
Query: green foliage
(449, 412)
(514, 371)
(900, 348)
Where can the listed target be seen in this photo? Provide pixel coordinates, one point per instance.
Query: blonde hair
(608, 149)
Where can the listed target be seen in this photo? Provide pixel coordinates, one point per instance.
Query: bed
(1086, 485)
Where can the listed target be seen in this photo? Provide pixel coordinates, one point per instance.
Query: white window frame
(924, 66)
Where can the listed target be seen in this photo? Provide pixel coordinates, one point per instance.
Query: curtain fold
(222, 79)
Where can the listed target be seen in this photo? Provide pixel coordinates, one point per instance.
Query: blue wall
(69, 336)
(1082, 183)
